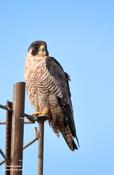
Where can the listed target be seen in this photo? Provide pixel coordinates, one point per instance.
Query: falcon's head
(38, 48)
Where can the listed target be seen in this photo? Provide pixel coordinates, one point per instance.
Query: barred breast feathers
(35, 68)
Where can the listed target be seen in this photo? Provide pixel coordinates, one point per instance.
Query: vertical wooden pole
(17, 129)
(41, 119)
(41, 148)
(8, 137)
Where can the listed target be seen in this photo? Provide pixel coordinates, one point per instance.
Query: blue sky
(80, 35)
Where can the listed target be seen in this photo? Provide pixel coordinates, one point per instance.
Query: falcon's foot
(43, 112)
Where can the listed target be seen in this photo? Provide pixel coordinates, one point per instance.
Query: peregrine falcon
(47, 85)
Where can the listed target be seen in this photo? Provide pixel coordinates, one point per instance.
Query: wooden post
(41, 120)
(41, 148)
(8, 137)
(17, 129)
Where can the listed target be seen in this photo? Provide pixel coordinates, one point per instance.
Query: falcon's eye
(34, 50)
(42, 48)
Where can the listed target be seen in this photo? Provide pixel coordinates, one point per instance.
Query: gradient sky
(80, 35)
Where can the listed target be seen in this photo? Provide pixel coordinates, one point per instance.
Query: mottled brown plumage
(48, 89)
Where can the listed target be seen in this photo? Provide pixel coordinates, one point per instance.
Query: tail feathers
(71, 143)
(69, 138)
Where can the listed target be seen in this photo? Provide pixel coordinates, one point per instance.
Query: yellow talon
(44, 112)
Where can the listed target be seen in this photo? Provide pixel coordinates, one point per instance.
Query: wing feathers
(62, 78)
